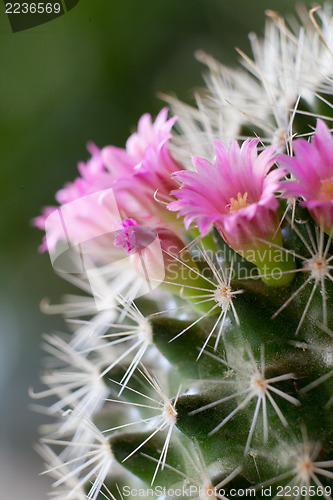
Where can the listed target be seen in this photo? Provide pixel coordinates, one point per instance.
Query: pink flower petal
(209, 194)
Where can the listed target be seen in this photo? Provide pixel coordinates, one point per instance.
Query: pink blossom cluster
(116, 192)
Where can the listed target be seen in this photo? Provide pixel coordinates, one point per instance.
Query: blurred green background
(87, 75)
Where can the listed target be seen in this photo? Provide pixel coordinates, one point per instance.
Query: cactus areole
(198, 361)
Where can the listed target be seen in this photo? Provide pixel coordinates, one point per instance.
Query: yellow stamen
(241, 202)
(326, 190)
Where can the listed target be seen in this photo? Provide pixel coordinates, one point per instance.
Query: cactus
(198, 357)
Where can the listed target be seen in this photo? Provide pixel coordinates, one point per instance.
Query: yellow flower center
(326, 190)
(241, 202)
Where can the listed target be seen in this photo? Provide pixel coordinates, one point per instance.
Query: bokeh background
(87, 75)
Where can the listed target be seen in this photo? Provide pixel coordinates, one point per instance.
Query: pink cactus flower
(236, 194)
(146, 165)
(312, 167)
(133, 174)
